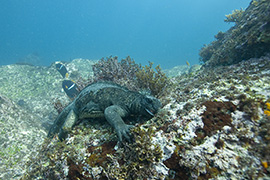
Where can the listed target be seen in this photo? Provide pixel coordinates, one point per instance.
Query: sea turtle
(109, 99)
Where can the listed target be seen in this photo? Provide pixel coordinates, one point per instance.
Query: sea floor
(214, 125)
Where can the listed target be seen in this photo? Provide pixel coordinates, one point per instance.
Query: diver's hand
(123, 131)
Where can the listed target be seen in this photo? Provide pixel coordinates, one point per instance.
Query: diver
(69, 86)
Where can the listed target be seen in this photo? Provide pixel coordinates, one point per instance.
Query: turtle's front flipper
(113, 115)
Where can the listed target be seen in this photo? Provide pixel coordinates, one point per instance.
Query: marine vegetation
(153, 80)
(140, 157)
(235, 16)
(78, 157)
(131, 75)
(248, 38)
(122, 73)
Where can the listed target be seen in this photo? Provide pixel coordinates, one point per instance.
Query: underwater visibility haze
(65, 115)
(168, 33)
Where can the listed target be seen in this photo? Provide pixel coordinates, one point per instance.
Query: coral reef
(248, 38)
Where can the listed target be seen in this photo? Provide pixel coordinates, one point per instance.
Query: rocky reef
(213, 125)
(214, 122)
(248, 38)
(27, 96)
(21, 136)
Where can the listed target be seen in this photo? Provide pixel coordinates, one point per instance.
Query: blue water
(167, 32)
